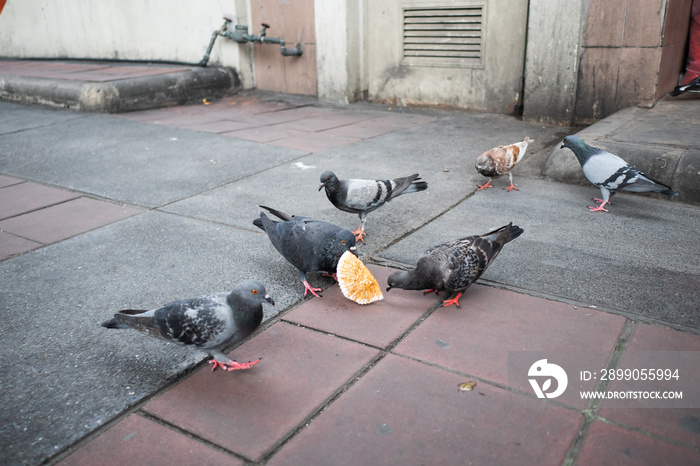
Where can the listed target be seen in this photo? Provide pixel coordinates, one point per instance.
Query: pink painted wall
(293, 21)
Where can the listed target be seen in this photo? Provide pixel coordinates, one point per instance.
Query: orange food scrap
(356, 281)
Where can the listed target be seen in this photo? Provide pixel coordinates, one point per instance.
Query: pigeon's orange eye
(342, 241)
(255, 291)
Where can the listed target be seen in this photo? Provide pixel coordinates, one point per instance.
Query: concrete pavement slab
(640, 258)
(143, 164)
(16, 117)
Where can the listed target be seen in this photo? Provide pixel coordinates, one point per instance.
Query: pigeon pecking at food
(210, 323)
(363, 196)
(309, 245)
(610, 173)
(454, 266)
(500, 161)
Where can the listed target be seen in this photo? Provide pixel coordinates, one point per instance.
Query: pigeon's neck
(413, 281)
(246, 315)
(584, 152)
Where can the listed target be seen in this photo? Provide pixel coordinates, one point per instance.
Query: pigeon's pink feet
(598, 208)
(313, 290)
(430, 291)
(333, 275)
(232, 365)
(359, 234)
(600, 200)
(511, 187)
(486, 185)
(455, 301)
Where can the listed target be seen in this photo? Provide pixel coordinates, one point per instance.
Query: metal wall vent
(443, 36)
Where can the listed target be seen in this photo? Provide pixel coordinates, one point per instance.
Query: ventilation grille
(443, 36)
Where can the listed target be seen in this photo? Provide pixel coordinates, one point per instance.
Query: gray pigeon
(456, 265)
(309, 245)
(610, 173)
(363, 196)
(211, 322)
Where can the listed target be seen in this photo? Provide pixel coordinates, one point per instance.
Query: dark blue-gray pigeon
(309, 245)
(610, 173)
(210, 322)
(363, 196)
(454, 266)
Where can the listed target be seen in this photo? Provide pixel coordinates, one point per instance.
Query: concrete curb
(123, 95)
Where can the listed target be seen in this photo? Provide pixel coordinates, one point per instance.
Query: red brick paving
(477, 337)
(95, 72)
(250, 411)
(404, 412)
(27, 196)
(317, 397)
(136, 440)
(305, 128)
(679, 423)
(33, 215)
(609, 444)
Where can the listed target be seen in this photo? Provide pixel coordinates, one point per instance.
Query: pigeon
(210, 322)
(309, 245)
(500, 161)
(454, 266)
(610, 173)
(363, 196)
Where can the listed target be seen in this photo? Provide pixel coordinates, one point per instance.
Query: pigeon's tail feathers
(118, 321)
(407, 184)
(645, 184)
(416, 186)
(514, 232)
(263, 222)
(114, 323)
(506, 233)
(278, 214)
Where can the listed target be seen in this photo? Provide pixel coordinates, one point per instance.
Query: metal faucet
(240, 35)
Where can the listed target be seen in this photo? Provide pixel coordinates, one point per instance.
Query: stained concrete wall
(494, 87)
(340, 61)
(632, 52)
(173, 30)
(551, 64)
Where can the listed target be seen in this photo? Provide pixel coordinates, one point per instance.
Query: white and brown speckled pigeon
(309, 245)
(454, 266)
(500, 161)
(210, 323)
(363, 196)
(610, 173)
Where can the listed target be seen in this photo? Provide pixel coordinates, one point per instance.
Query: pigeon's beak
(269, 299)
(388, 288)
(562, 145)
(353, 249)
(321, 186)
